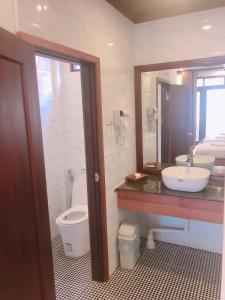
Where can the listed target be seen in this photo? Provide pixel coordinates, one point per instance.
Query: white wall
(89, 26)
(62, 131)
(180, 37)
(172, 39)
(8, 15)
(201, 235)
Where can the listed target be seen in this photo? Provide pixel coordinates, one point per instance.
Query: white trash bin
(128, 245)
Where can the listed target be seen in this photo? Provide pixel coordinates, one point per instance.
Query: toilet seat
(74, 215)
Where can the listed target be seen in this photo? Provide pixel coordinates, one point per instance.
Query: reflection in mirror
(183, 112)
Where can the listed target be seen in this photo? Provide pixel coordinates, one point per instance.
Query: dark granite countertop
(154, 184)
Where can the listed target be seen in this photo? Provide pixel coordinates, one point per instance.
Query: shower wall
(62, 129)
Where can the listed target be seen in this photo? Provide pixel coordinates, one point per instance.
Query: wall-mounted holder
(120, 125)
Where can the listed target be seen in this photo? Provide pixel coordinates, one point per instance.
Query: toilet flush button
(97, 177)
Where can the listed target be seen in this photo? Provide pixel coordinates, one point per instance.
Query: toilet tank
(79, 191)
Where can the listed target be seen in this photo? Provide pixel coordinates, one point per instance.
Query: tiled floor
(170, 272)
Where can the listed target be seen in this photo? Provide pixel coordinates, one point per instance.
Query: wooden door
(165, 127)
(26, 270)
(180, 102)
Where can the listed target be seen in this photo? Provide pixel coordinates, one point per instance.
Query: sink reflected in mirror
(200, 161)
(185, 179)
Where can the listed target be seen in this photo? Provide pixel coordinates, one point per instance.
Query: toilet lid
(74, 215)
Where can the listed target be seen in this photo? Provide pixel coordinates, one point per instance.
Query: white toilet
(73, 223)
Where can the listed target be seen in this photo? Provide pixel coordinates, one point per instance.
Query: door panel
(165, 122)
(25, 252)
(19, 244)
(180, 115)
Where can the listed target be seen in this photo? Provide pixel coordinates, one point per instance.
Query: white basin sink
(186, 179)
(200, 161)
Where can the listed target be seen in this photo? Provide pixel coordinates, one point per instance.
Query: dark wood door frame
(92, 110)
(202, 117)
(195, 63)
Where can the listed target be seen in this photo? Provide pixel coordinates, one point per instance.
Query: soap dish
(135, 177)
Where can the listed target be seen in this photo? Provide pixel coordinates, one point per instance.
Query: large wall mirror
(180, 108)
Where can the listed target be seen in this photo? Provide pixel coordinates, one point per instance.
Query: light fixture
(179, 77)
(39, 7)
(206, 27)
(111, 44)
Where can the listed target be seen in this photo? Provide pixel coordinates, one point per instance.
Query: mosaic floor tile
(170, 272)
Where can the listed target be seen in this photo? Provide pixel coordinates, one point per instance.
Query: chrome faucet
(190, 156)
(189, 161)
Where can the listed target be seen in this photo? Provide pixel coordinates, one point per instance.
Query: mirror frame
(202, 62)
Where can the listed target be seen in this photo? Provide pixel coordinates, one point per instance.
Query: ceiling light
(111, 44)
(206, 27)
(39, 7)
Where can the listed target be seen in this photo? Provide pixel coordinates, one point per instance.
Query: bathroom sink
(200, 161)
(186, 179)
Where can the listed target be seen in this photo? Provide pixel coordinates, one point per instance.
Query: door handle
(97, 177)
